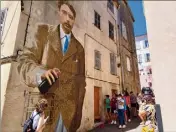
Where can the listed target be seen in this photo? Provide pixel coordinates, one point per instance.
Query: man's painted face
(66, 18)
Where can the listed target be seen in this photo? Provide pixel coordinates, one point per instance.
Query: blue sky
(137, 10)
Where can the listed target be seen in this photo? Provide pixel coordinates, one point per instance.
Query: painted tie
(66, 44)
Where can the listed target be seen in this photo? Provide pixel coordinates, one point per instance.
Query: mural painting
(54, 61)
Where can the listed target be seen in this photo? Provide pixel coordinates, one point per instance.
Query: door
(96, 103)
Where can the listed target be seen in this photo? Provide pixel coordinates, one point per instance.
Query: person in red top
(113, 108)
(128, 105)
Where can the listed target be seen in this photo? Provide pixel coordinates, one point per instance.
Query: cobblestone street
(130, 127)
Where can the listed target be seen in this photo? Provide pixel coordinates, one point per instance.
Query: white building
(144, 62)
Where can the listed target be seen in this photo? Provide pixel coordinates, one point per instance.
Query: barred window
(113, 68)
(97, 60)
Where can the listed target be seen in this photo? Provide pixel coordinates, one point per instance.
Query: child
(108, 108)
(121, 110)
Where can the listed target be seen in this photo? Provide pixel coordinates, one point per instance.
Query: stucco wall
(161, 20)
(8, 39)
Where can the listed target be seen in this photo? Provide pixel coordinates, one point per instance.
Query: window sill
(112, 39)
(97, 27)
(97, 69)
(113, 74)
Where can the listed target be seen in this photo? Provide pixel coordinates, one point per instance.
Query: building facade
(10, 15)
(110, 66)
(129, 67)
(144, 62)
(161, 32)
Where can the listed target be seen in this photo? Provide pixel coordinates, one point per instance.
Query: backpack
(27, 127)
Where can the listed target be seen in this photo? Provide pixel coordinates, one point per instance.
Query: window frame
(146, 45)
(4, 19)
(128, 65)
(124, 30)
(110, 6)
(147, 57)
(97, 22)
(139, 58)
(113, 61)
(97, 66)
(111, 31)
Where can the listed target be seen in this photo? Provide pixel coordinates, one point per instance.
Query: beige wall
(161, 21)
(94, 39)
(8, 39)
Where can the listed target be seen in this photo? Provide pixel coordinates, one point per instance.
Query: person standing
(113, 109)
(128, 105)
(108, 108)
(56, 53)
(133, 100)
(121, 110)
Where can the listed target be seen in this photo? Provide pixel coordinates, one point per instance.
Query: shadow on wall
(159, 118)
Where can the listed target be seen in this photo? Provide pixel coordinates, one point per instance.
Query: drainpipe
(26, 31)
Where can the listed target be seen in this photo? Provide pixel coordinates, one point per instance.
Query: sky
(137, 10)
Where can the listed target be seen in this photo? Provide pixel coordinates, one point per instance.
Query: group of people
(147, 111)
(125, 106)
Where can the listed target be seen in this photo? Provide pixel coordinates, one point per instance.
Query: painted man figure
(56, 52)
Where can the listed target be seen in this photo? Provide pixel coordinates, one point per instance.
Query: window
(147, 57)
(146, 45)
(150, 71)
(97, 60)
(97, 20)
(3, 14)
(111, 5)
(128, 64)
(111, 30)
(113, 69)
(124, 32)
(139, 58)
(138, 46)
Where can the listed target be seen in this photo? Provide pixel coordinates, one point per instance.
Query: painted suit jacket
(46, 53)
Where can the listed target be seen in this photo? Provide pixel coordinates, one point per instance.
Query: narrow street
(133, 126)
